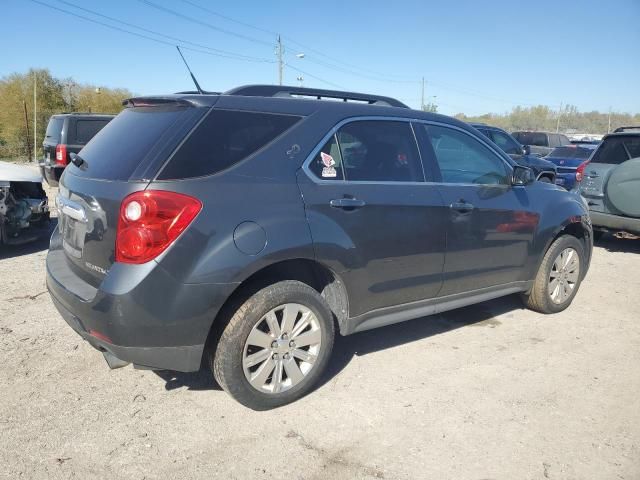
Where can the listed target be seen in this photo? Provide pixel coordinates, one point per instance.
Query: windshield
(531, 138)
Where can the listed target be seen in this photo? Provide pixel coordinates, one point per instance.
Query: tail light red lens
(150, 221)
(61, 154)
(580, 171)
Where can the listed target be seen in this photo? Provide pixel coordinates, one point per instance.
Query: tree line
(53, 95)
(57, 95)
(567, 120)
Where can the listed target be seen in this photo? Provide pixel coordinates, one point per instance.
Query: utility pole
(609, 127)
(35, 115)
(558, 120)
(26, 124)
(422, 98)
(280, 53)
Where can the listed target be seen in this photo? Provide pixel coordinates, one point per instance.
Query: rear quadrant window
(380, 151)
(223, 139)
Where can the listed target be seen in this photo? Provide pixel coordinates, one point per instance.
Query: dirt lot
(489, 392)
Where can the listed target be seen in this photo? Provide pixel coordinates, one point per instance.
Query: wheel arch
(309, 271)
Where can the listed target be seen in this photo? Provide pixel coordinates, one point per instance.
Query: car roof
(298, 101)
(629, 133)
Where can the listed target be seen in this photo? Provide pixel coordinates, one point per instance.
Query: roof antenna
(190, 72)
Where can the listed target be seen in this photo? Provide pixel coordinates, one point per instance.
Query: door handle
(347, 203)
(462, 207)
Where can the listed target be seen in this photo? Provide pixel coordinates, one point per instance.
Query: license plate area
(72, 223)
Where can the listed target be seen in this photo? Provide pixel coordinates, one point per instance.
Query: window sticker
(329, 170)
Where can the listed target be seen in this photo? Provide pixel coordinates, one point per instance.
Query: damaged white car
(24, 209)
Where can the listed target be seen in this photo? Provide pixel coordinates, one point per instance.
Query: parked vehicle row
(541, 143)
(544, 171)
(244, 230)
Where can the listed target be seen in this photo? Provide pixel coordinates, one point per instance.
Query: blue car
(570, 161)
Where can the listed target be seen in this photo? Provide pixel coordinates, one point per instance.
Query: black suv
(541, 144)
(67, 133)
(544, 170)
(244, 229)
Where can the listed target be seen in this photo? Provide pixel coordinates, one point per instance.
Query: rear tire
(545, 180)
(257, 360)
(558, 277)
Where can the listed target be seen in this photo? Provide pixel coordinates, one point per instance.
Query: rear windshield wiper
(77, 160)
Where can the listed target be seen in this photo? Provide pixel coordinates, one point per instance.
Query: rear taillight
(150, 221)
(580, 170)
(61, 154)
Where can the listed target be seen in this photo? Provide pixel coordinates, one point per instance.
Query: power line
(140, 35)
(203, 23)
(170, 37)
(317, 78)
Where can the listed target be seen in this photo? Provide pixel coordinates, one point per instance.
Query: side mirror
(526, 150)
(522, 176)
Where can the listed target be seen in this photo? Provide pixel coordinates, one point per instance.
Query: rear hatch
(121, 159)
(52, 138)
(612, 152)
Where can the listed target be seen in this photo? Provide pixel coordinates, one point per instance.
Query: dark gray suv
(243, 229)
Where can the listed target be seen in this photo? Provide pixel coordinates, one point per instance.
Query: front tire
(275, 347)
(558, 277)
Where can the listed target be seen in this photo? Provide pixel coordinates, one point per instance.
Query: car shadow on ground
(35, 246)
(613, 244)
(359, 344)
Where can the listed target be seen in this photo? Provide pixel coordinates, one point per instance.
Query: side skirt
(409, 311)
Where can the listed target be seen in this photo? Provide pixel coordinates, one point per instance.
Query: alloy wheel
(282, 348)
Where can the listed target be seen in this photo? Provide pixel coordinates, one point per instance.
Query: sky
(475, 56)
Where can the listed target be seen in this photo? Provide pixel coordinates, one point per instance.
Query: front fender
(562, 212)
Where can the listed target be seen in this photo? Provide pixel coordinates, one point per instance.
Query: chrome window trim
(345, 121)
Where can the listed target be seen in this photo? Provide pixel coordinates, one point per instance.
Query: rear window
(616, 150)
(224, 138)
(87, 129)
(54, 129)
(532, 138)
(571, 152)
(130, 139)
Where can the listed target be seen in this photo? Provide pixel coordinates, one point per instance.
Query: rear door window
(223, 139)
(87, 129)
(616, 150)
(54, 130)
(380, 151)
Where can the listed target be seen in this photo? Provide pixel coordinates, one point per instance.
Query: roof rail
(316, 93)
(624, 129)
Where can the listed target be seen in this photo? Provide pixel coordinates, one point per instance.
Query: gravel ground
(487, 392)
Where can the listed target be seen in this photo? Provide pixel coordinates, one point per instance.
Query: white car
(24, 209)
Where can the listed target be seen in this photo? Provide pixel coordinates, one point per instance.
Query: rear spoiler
(167, 100)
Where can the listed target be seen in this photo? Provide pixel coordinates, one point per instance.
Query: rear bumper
(566, 180)
(182, 359)
(615, 222)
(51, 173)
(139, 313)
